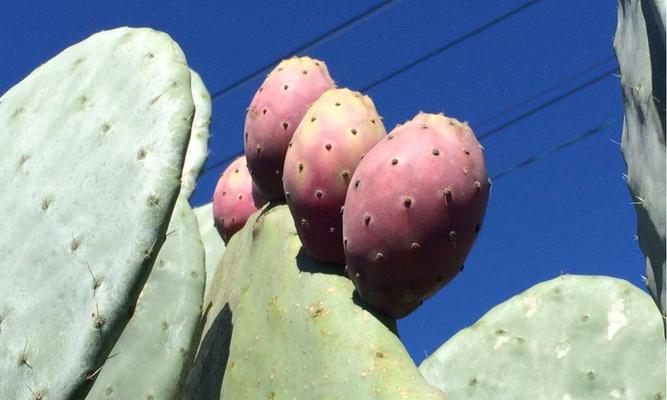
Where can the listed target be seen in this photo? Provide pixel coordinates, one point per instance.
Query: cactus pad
(153, 352)
(297, 330)
(198, 146)
(92, 144)
(573, 337)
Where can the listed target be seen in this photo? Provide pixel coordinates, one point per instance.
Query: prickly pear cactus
(405, 240)
(214, 247)
(287, 326)
(235, 198)
(573, 337)
(154, 351)
(640, 49)
(198, 146)
(93, 143)
(339, 128)
(273, 115)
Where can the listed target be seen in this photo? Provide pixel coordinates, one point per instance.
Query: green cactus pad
(297, 331)
(198, 146)
(92, 144)
(570, 338)
(640, 49)
(153, 352)
(214, 247)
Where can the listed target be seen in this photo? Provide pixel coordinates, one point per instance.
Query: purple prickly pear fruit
(235, 198)
(413, 211)
(338, 129)
(273, 115)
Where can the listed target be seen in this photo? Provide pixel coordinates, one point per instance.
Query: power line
(497, 129)
(451, 44)
(555, 149)
(561, 82)
(335, 31)
(347, 25)
(548, 103)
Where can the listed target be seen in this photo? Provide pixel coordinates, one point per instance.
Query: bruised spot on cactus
(75, 244)
(353, 131)
(407, 202)
(46, 203)
(318, 194)
(328, 146)
(285, 125)
(153, 200)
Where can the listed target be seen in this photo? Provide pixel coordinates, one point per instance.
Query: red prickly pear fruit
(273, 115)
(413, 211)
(235, 198)
(338, 129)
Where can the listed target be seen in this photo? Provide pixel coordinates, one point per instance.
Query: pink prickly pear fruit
(338, 129)
(413, 211)
(235, 198)
(274, 114)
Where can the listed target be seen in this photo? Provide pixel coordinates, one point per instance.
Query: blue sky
(567, 212)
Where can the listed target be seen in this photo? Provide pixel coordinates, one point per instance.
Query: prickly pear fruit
(234, 199)
(273, 115)
(412, 212)
(338, 129)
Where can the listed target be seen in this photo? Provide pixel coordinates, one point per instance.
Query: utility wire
(562, 82)
(449, 45)
(548, 103)
(497, 129)
(349, 24)
(555, 149)
(327, 35)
